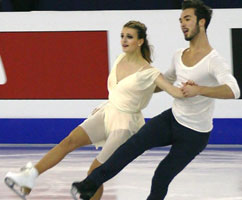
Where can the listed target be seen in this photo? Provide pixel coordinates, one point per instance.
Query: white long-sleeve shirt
(196, 112)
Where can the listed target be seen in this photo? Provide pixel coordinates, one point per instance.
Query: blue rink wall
(52, 131)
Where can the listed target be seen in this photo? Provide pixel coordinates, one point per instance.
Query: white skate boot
(23, 180)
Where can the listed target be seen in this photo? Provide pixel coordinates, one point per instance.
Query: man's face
(189, 25)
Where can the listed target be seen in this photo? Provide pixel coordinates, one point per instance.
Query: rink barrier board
(52, 131)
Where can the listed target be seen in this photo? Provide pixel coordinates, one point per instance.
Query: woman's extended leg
(74, 140)
(26, 177)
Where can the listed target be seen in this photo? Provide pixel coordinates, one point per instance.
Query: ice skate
(22, 182)
(83, 190)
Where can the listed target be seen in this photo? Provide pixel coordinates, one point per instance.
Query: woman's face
(130, 41)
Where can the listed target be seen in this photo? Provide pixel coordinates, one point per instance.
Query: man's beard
(193, 34)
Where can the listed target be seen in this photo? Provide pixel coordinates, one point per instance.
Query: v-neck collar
(115, 72)
(195, 65)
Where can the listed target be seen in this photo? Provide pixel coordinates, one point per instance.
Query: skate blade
(74, 193)
(11, 184)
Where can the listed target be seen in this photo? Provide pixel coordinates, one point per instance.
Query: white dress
(120, 117)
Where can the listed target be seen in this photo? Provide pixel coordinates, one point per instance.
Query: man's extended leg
(186, 145)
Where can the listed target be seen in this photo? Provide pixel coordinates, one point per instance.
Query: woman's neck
(135, 57)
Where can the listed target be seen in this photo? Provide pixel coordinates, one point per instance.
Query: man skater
(187, 125)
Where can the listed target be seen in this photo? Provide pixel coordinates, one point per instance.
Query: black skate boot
(85, 190)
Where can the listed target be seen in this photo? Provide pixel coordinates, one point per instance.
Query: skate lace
(28, 166)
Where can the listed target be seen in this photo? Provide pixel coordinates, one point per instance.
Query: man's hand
(190, 89)
(189, 82)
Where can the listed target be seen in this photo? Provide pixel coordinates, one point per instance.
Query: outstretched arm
(163, 84)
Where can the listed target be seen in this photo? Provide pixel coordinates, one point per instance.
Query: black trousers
(161, 130)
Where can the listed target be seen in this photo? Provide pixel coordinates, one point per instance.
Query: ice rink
(216, 174)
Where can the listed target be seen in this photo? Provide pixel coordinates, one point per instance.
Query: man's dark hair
(201, 10)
